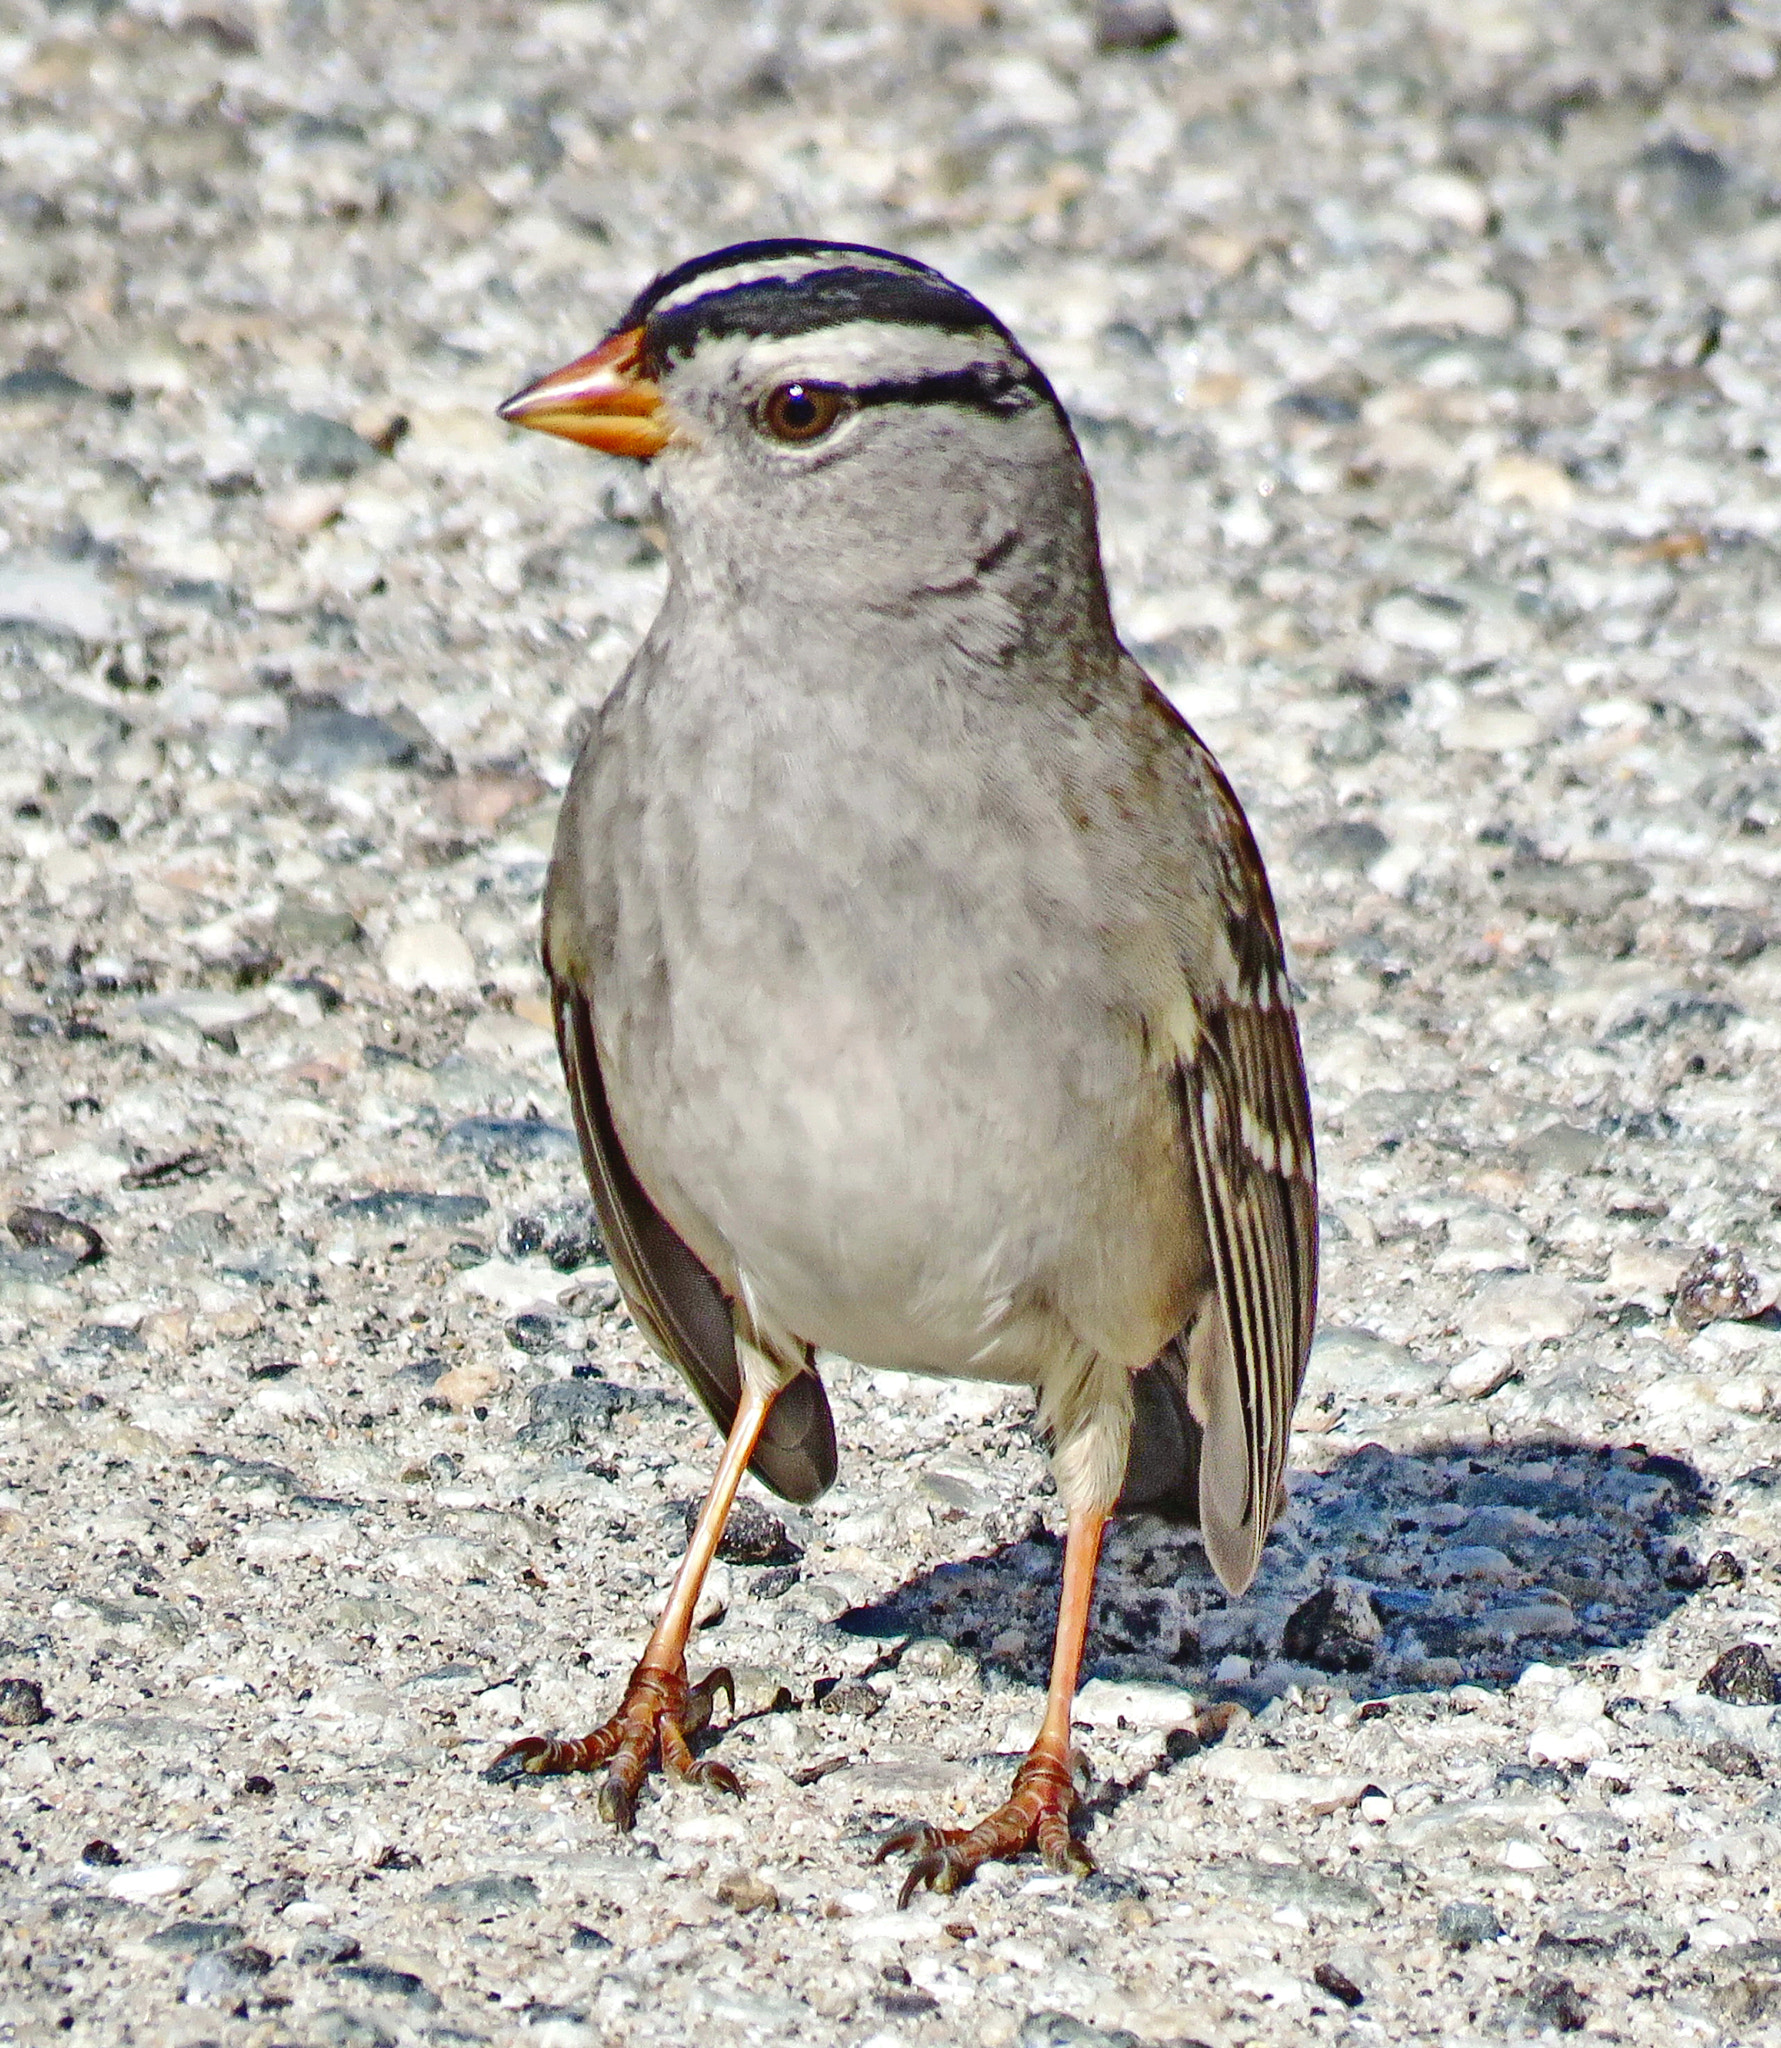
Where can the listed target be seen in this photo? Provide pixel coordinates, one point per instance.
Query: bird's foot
(1036, 1816)
(659, 1715)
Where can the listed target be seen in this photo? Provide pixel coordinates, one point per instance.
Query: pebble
(1478, 1377)
(509, 1139)
(382, 1981)
(481, 1898)
(430, 955)
(59, 597)
(226, 1976)
(1524, 1308)
(1743, 1676)
(1364, 1366)
(21, 1703)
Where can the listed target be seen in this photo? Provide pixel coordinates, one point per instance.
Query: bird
(918, 985)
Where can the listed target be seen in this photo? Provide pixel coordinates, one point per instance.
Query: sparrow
(917, 981)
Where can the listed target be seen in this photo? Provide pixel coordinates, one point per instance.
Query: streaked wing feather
(1246, 1123)
(676, 1302)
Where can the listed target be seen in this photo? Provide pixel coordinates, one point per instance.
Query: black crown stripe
(769, 250)
(776, 308)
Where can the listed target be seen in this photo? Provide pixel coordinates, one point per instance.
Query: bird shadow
(1393, 1572)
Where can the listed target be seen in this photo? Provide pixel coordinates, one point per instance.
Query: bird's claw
(657, 1717)
(526, 1758)
(1036, 1816)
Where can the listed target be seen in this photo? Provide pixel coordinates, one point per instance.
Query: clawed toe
(654, 1720)
(918, 1835)
(711, 1776)
(529, 1757)
(1037, 1816)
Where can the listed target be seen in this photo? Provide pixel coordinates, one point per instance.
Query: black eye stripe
(998, 391)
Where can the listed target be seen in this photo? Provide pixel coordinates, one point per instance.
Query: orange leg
(1037, 1813)
(659, 1711)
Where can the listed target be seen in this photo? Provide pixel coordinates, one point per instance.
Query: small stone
(1524, 1308)
(50, 1230)
(327, 741)
(21, 1703)
(1737, 937)
(100, 1854)
(1328, 1978)
(1336, 1629)
(405, 1206)
(537, 1332)
(1362, 1366)
(508, 1139)
(195, 1937)
(754, 1534)
(69, 598)
(1063, 2030)
(382, 1981)
(481, 1898)
(1743, 1677)
(571, 1413)
(469, 1386)
(1347, 846)
(225, 1976)
(481, 799)
(1446, 196)
(1594, 1932)
(1487, 310)
(149, 1881)
(1558, 1148)
(42, 384)
(1134, 25)
(581, 1937)
(305, 509)
(303, 926)
(1479, 1376)
(1464, 1923)
(1724, 1569)
(746, 1892)
(1646, 1272)
(313, 445)
(1731, 1759)
(1717, 1287)
(1385, 1116)
(431, 955)
(1526, 480)
(851, 1696)
(1490, 729)
(323, 1948)
(1556, 2002)
(336, 2028)
(1420, 623)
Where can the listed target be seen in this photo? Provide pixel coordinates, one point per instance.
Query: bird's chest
(849, 1025)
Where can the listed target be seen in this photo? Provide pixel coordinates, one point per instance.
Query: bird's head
(840, 425)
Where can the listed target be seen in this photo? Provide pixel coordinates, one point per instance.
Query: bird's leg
(659, 1710)
(1037, 1812)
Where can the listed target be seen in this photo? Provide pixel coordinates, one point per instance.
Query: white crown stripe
(858, 351)
(784, 269)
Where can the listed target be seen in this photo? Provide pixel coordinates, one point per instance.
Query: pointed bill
(602, 400)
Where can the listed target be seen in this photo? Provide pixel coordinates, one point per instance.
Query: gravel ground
(1428, 360)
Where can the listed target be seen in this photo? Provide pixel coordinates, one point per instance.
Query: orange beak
(601, 400)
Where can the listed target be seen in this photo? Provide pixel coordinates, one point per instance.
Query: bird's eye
(801, 412)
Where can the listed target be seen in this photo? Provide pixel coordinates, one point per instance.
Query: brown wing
(676, 1303)
(1246, 1116)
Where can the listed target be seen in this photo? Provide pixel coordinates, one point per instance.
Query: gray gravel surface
(1428, 360)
